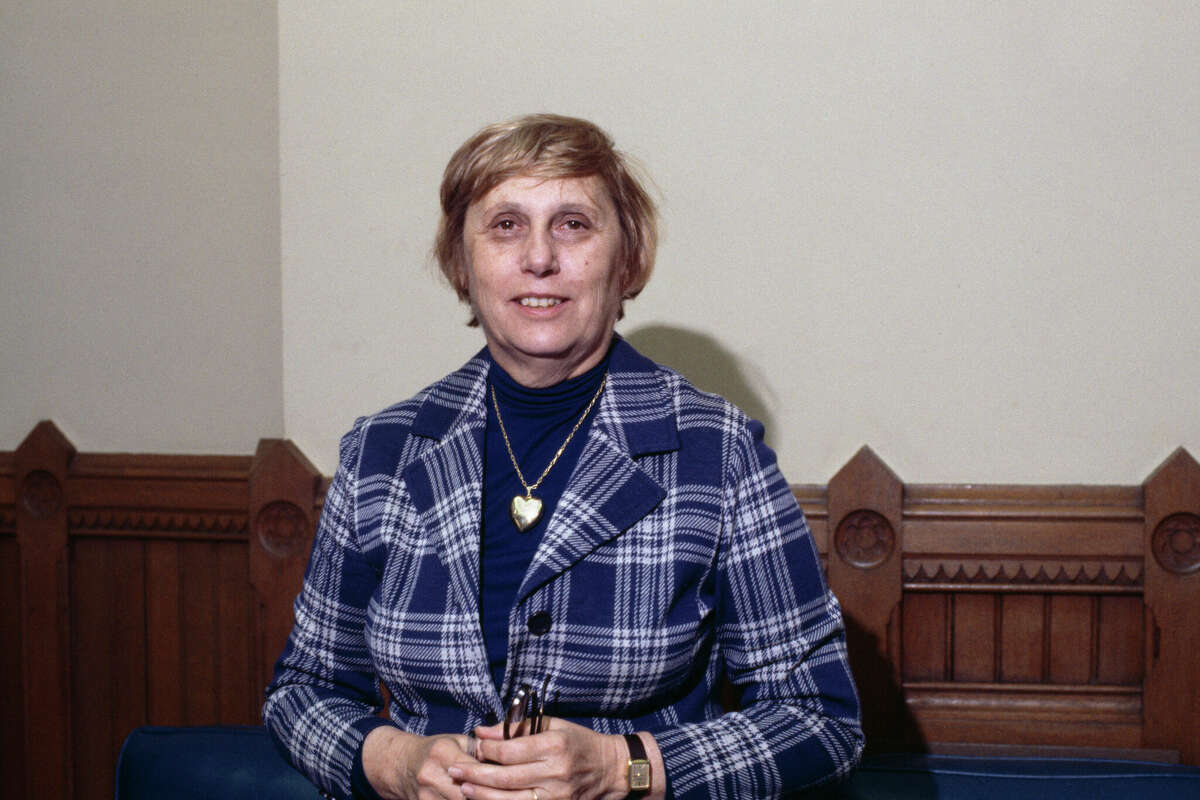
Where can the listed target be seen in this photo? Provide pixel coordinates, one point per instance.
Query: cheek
(606, 266)
(480, 280)
(462, 282)
(615, 283)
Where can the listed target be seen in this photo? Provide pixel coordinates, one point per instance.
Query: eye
(505, 224)
(575, 224)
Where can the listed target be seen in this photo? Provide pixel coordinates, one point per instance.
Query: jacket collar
(636, 411)
(459, 400)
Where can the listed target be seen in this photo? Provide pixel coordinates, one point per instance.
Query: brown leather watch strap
(638, 768)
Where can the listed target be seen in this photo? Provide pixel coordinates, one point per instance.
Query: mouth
(532, 301)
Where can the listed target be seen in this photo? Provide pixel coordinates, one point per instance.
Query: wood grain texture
(12, 732)
(1022, 635)
(926, 637)
(1121, 638)
(164, 630)
(108, 656)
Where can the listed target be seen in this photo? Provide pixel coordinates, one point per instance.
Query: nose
(540, 256)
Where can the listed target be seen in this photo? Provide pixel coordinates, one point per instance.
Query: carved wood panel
(1021, 599)
(157, 589)
(157, 621)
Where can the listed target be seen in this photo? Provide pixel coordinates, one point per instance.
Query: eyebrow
(513, 205)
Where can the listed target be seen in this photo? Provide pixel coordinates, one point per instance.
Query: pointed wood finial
(865, 500)
(283, 493)
(41, 467)
(1172, 595)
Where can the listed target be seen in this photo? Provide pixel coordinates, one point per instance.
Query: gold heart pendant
(525, 511)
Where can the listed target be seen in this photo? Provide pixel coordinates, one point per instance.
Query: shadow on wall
(888, 722)
(706, 363)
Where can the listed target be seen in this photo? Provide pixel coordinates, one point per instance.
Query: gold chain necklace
(526, 511)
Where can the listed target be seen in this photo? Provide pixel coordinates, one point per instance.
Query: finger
(495, 776)
(438, 786)
(550, 723)
(490, 732)
(484, 793)
(446, 750)
(441, 790)
(476, 792)
(522, 750)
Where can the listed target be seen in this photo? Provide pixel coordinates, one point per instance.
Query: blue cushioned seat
(997, 778)
(241, 763)
(202, 763)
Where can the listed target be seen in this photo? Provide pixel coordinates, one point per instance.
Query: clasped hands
(564, 760)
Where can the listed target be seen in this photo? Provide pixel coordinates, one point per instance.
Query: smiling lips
(540, 302)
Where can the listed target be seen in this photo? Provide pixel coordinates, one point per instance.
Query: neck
(538, 373)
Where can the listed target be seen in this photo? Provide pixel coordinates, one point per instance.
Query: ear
(462, 282)
(627, 277)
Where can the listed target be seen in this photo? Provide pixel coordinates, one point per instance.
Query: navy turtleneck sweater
(538, 421)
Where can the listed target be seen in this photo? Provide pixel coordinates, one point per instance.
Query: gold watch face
(639, 776)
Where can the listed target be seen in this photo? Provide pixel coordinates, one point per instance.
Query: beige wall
(965, 233)
(139, 224)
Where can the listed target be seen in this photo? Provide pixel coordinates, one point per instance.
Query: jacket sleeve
(324, 696)
(781, 637)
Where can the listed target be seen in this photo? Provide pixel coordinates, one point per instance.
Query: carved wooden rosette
(282, 528)
(41, 494)
(865, 538)
(1176, 543)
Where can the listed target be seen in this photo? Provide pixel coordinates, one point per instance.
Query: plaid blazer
(676, 558)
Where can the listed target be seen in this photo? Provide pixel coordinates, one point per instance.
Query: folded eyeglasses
(527, 704)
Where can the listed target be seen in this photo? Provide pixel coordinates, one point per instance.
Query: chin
(547, 344)
(549, 350)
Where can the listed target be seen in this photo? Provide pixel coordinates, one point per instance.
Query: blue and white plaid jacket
(675, 557)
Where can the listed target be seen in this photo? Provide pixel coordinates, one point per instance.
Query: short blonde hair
(545, 146)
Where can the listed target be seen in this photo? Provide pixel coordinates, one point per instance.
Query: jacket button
(539, 623)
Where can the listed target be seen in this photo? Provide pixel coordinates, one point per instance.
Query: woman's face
(543, 274)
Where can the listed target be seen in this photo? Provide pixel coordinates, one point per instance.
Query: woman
(564, 516)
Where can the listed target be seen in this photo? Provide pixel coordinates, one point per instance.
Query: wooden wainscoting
(157, 589)
(153, 589)
(1025, 616)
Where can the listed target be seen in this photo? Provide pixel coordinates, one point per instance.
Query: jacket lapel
(608, 492)
(445, 481)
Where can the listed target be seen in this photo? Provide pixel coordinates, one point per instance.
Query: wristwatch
(639, 766)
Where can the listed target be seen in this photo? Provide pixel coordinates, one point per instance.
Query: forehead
(531, 192)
